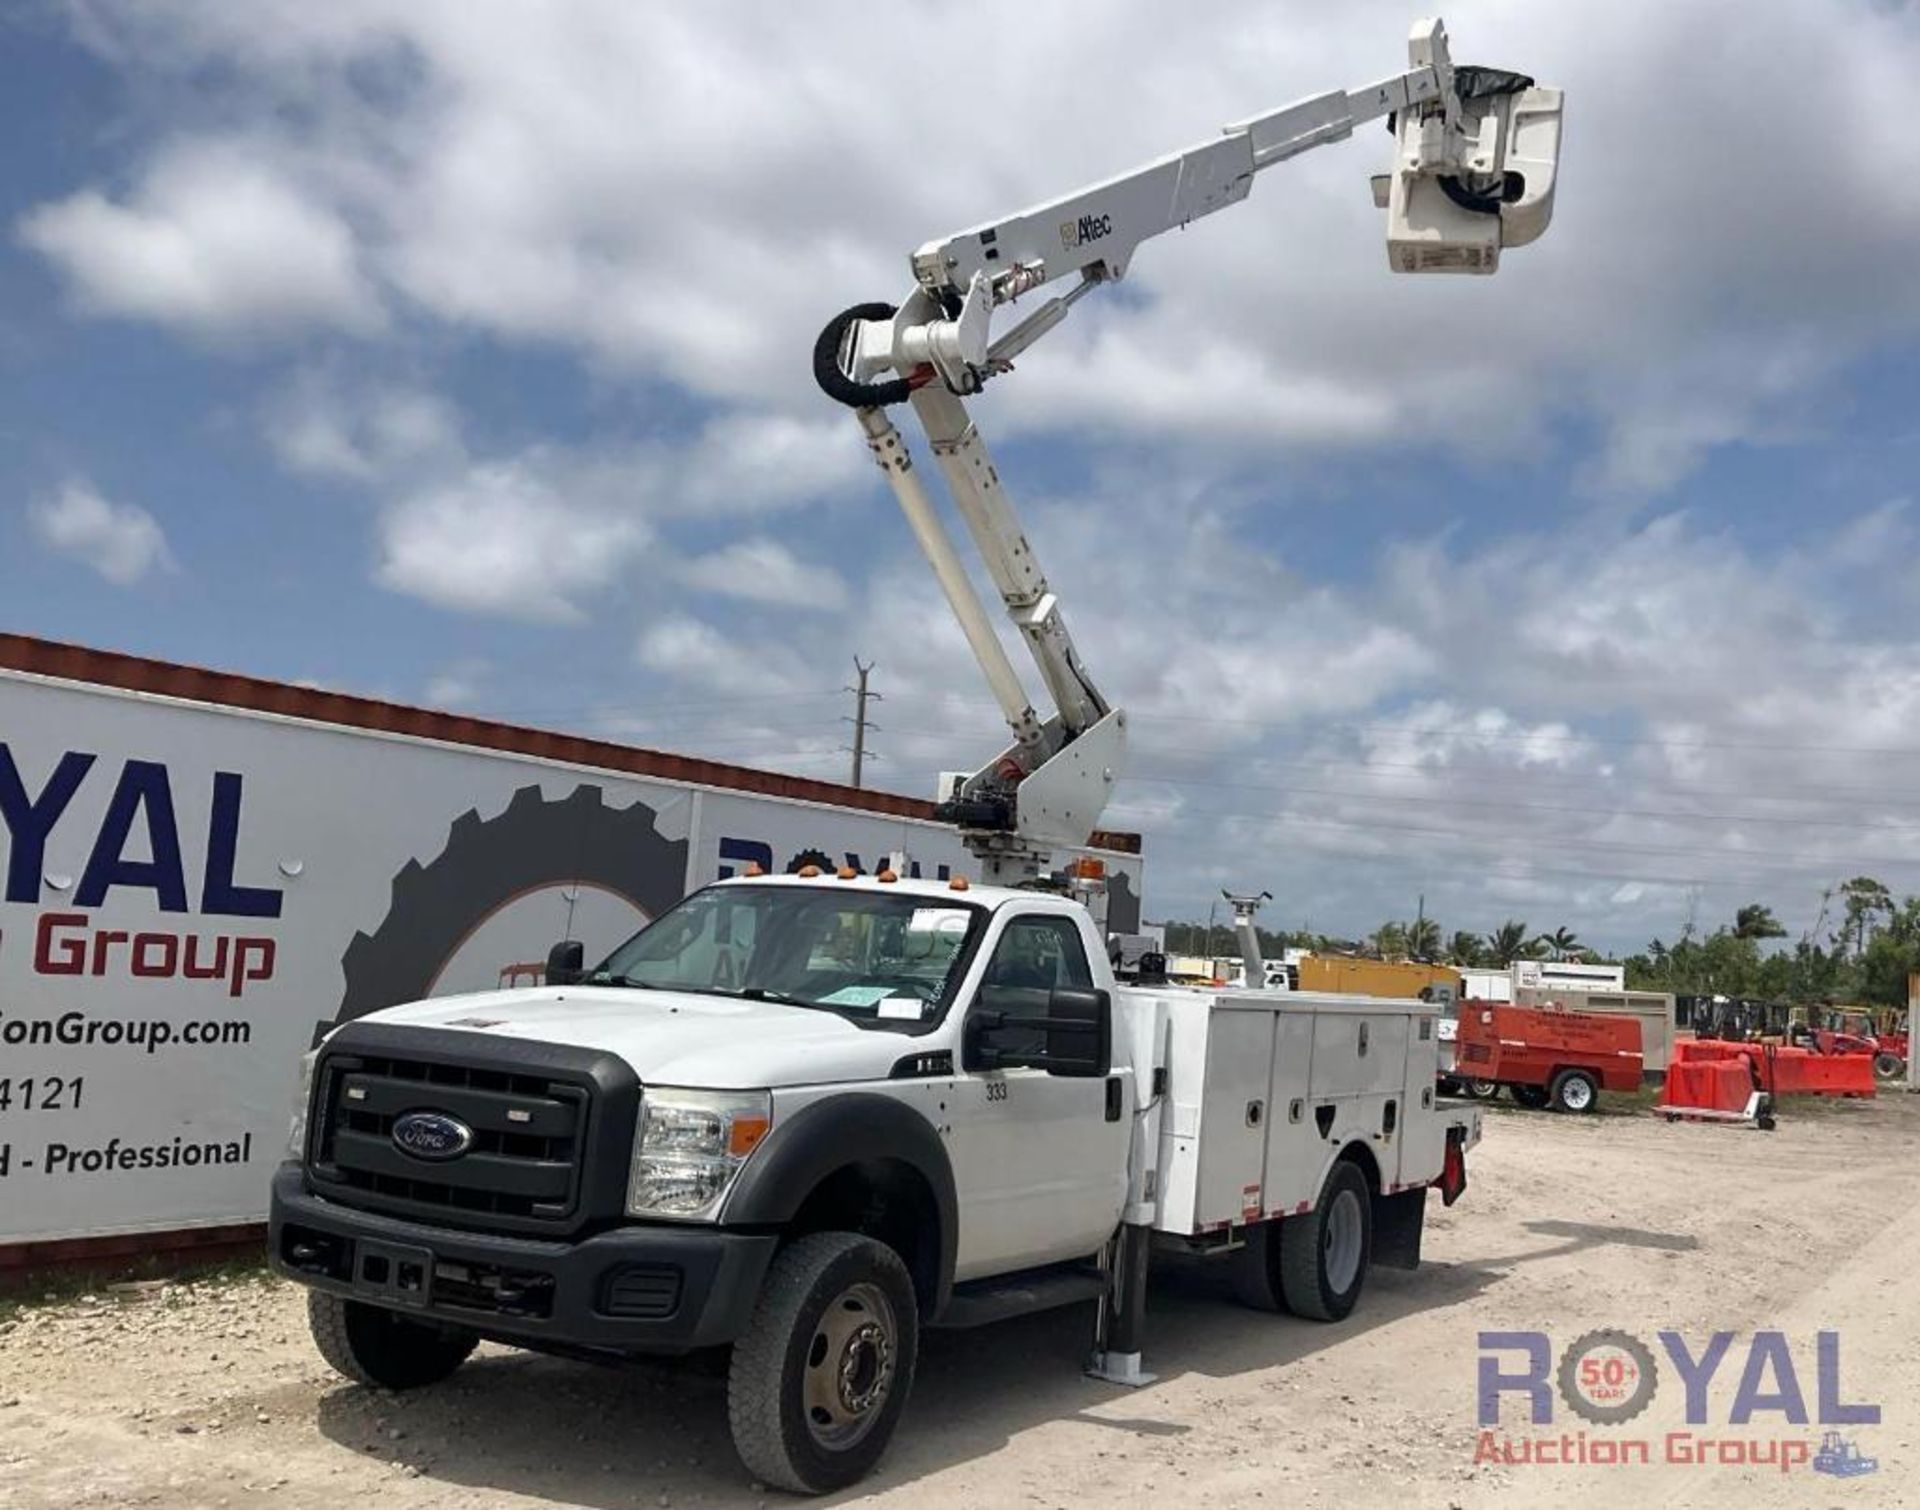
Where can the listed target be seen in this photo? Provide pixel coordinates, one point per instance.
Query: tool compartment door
(1296, 1148)
(1219, 1126)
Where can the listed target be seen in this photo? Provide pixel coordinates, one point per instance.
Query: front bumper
(638, 1289)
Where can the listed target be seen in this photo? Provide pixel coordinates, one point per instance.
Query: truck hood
(673, 1037)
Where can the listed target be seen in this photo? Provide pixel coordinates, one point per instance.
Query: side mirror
(566, 964)
(1075, 1036)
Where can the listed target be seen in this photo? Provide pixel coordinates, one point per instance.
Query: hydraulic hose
(833, 378)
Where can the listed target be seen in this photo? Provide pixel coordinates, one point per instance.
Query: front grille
(523, 1168)
(642, 1292)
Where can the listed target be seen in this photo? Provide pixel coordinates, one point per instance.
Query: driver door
(1039, 1160)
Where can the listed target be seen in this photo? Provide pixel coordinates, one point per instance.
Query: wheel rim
(1482, 1090)
(1576, 1094)
(849, 1371)
(1340, 1242)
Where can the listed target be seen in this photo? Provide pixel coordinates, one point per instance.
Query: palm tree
(1466, 950)
(1390, 940)
(1756, 921)
(1507, 942)
(1423, 938)
(1562, 943)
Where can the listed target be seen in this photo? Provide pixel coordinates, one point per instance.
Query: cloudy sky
(457, 352)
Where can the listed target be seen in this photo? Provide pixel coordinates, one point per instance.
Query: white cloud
(693, 653)
(366, 430)
(1594, 716)
(215, 242)
(764, 571)
(459, 685)
(675, 198)
(120, 541)
(505, 538)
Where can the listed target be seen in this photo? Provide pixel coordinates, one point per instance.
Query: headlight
(297, 1129)
(690, 1146)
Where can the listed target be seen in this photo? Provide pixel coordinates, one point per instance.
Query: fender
(828, 1136)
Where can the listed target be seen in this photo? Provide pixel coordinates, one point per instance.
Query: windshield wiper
(768, 993)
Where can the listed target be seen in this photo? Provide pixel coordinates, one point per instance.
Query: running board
(986, 1301)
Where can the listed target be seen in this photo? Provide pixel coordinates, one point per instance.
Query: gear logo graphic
(1607, 1376)
(486, 864)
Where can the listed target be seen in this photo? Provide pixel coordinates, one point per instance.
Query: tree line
(1862, 946)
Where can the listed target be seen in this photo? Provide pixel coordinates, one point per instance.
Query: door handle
(1113, 1098)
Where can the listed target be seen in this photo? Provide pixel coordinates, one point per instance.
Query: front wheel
(374, 1346)
(1575, 1091)
(1889, 1067)
(1323, 1262)
(821, 1374)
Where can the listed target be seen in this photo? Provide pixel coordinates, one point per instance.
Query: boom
(1477, 153)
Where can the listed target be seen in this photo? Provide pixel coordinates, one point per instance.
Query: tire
(822, 1372)
(1889, 1067)
(380, 1348)
(1483, 1090)
(1256, 1268)
(1533, 1097)
(1323, 1262)
(1575, 1091)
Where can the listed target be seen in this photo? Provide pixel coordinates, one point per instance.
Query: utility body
(802, 1118)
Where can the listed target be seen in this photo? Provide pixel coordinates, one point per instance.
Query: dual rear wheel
(1313, 1264)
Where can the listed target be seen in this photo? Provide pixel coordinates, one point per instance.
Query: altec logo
(139, 820)
(1076, 233)
(1609, 1377)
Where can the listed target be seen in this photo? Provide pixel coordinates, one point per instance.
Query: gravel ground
(210, 1393)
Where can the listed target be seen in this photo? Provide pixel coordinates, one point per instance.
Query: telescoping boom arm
(1476, 155)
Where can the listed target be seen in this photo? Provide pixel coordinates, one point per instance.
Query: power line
(1504, 736)
(1510, 806)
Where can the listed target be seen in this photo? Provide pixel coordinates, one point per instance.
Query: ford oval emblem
(431, 1135)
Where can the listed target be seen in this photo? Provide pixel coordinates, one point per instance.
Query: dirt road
(211, 1394)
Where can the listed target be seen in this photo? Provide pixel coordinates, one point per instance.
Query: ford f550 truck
(806, 1117)
(803, 1119)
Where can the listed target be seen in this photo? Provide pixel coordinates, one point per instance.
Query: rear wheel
(1256, 1267)
(1532, 1097)
(1323, 1262)
(821, 1374)
(1575, 1091)
(1889, 1067)
(1484, 1090)
(374, 1346)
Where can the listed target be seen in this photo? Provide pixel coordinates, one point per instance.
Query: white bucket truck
(804, 1118)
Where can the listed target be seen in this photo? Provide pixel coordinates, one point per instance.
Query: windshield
(859, 952)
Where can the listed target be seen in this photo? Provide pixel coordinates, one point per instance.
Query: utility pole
(861, 697)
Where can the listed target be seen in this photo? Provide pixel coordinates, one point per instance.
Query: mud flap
(1453, 1173)
(1398, 1221)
